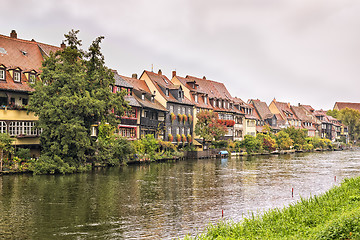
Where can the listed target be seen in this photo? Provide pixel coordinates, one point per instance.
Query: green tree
(73, 94)
(283, 140)
(268, 143)
(251, 144)
(298, 136)
(208, 127)
(5, 147)
(351, 118)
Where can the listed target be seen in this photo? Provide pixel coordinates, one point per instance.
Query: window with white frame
(188, 131)
(177, 131)
(182, 131)
(3, 126)
(196, 98)
(17, 77)
(189, 111)
(2, 74)
(205, 99)
(171, 108)
(183, 110)
(169, 130)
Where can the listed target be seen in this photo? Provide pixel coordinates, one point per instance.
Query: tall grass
(333, 215)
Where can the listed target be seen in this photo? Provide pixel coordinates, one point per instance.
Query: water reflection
(164, 200)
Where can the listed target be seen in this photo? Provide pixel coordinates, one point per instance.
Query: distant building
(342, 105)
(266, 117)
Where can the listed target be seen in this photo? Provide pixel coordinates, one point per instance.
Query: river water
(163, 200)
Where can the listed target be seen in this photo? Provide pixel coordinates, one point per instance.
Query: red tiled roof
(262, 109)
(23, 54)
(137, 83)
(301, 114)
(162, 80)
(343, 105)
(285, 110)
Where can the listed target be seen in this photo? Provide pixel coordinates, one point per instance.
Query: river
(163, 200)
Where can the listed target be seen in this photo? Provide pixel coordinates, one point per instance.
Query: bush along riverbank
(114, 150)
(333, 215)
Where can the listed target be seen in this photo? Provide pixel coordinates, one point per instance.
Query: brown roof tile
(343, 105)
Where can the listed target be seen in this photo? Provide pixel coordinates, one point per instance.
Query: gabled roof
(285, 110)
(139, 88)
(262, 109)
(343, 105)
(159, 81)
(207, 86)
(301, 114)
(120, 81)
(27, 55)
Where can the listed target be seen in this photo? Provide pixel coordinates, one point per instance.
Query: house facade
(152, 113)
(179, 120)
(265, 116)
(20, 66)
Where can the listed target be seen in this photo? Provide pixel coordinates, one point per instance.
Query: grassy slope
(333, 215)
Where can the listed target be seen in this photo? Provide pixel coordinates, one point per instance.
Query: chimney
(299, 104)
(62, 45)
(13, 34)
(288, 105)
(173, 73)
(204, 77)
(134, 75)
(160, 72)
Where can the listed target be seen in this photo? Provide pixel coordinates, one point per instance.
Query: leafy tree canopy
(73, 95)
(208, 127)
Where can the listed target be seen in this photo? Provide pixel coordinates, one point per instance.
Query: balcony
(129, 121)
(151, 123)
(19, 115)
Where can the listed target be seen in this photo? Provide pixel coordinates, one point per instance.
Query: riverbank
(333, 215)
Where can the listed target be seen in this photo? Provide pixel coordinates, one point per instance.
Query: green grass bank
(332, 215)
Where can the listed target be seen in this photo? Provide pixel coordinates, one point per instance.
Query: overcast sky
(298, 51)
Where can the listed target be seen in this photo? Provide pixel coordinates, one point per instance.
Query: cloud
(296, 50)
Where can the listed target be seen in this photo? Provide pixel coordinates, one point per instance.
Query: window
(188, 131)
(189, 111)
(2, 127)
(183, 110)
(2, 74)
(32, 78)
(177, 130)
(169, 130)
(171, 109)
(127, 132)
(179, 94)
(143, 96)
(167, 92)
(196, 98)
(205, 100)
(24, 101)
(17, 77)
(182, 131)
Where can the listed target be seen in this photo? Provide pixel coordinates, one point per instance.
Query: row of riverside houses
(162, 107)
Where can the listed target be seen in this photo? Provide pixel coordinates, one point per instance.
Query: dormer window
(143, 96)
(179, 94)
(196, 98)
(2, 74)
(32, 78)
(152, 98)
(17, 77)
(167, 92)
(205, 99)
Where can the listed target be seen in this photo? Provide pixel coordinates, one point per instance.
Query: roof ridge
(18, 39)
